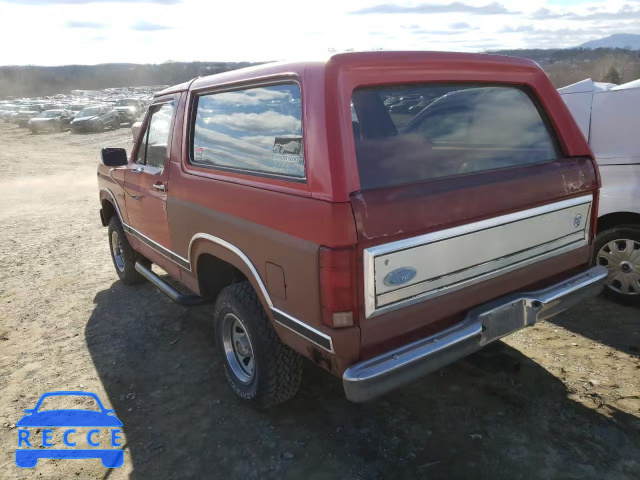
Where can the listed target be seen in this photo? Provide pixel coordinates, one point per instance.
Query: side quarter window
(153, 145)
(255, 130)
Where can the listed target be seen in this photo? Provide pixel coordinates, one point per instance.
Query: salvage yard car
(95, 119)
(26, 113)
(379, 248)
(51, 121)
(608, 116)
(129, 109)
(7, 110)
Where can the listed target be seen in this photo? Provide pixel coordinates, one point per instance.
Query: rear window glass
(411, 133)
(90, 112)
(253, 130)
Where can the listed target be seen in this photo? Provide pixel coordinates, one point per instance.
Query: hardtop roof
(347, 60)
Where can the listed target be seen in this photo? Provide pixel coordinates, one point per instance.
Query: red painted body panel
(283, 223)
(423, 319)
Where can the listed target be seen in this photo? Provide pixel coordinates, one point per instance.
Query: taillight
(338, 288)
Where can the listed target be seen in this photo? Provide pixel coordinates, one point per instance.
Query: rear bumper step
(172, 293)
(369, 379)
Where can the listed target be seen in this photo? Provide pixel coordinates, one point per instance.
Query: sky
(62, 32)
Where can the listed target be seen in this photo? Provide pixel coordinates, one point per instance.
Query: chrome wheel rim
(622, 259)
(116, 248)
(238, 348)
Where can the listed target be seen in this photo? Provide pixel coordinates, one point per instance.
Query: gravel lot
(558, 401)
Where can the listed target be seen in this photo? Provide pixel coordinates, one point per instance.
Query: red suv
(380, 243)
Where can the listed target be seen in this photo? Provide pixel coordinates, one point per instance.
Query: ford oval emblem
(399, 276)
(577, 221)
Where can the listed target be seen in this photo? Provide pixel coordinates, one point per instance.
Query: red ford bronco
(381, 243)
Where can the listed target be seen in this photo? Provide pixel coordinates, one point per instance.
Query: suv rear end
(475, 214)
(379, 242)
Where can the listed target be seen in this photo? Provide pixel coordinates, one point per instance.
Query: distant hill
(27, 81)
(569, 65)
(563, 65)
(619, 40)
(552, 56)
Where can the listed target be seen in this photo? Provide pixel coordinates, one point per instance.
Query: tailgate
(432, 251)
(422, 267)
(464, 199)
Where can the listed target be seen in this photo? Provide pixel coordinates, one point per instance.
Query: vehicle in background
(7, 110)
(26, 113)
(51, 121)
(129, 109)
(608, 116)
(404, 105)
(82, 99)
(54, 106)
(77, 107)
(391, 100)
(95, 119)
(421, 105)
(379, 253)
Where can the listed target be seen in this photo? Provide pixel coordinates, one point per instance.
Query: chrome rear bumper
(368, 379)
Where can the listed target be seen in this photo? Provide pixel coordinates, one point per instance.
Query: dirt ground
(557, 401)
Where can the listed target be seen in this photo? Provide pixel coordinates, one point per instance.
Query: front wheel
(123, 255)
(618, 249)
(259, 367)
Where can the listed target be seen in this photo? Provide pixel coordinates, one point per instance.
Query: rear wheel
(259, 367)
(123, 255)
(618, 249)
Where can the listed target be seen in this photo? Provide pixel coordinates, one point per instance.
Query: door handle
(136, 170)
(161, 187)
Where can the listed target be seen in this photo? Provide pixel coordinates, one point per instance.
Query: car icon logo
(577, 221)
(28, 453)
(399, 276)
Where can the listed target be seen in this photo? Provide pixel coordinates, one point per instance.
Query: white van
(609, 117)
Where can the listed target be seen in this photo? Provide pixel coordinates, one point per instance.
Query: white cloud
(255, 96)
(268, 121)
(190, 30)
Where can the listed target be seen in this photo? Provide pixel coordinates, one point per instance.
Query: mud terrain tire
(126, 262)
(277, 369)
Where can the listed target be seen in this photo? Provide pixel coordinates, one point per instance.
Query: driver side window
(153, 146)
(142, 149)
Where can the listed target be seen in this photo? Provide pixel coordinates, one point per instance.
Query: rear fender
(228, 253)
(315, 344)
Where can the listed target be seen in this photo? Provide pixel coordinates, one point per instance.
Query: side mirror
(114, 157)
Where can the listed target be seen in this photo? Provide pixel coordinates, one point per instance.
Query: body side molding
(311, 334)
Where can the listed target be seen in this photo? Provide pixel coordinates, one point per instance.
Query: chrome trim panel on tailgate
(370, 378)
(451, 259)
